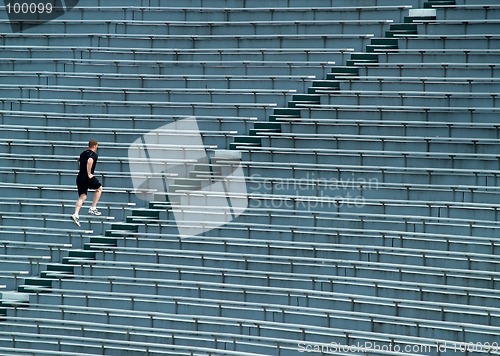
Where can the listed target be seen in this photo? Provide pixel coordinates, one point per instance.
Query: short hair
(93, 143)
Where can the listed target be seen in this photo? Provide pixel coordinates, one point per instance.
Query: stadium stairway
(371, 224)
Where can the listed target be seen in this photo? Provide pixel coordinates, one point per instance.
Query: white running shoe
(94, 211)
(75, 219)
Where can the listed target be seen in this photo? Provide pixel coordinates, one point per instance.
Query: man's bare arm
(90, 162)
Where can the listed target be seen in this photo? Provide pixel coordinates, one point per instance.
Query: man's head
(93, 144)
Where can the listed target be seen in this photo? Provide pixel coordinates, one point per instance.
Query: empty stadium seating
(367, 131)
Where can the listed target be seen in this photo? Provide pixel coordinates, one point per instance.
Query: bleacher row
(369, 138)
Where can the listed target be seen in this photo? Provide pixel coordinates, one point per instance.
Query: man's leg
(97, 196)
(79, 203)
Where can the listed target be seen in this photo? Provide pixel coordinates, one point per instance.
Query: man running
(86, 180)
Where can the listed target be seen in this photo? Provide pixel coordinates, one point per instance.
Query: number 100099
(29, 8)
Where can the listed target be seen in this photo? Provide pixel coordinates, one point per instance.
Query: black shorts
(83, 184)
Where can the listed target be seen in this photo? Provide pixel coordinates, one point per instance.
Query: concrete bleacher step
(104, 240)
(189, 183)
(245, 142)
(55, 274)
(159, 205)
(142, 216)
(200, 171)
(101, 242)
(382, 44)
(254, 138)
(299, 99)
(35, 285)
(362, 58)
(323, 85)
(125, 227)
(419, 15)
(118, 232)
(284, 113)
(75, 261)
(264, 128)
(96, 246)
(84, 254)
(432, 3)
(61, 267)
(401, 29)
(339, 73)
(12, 298)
